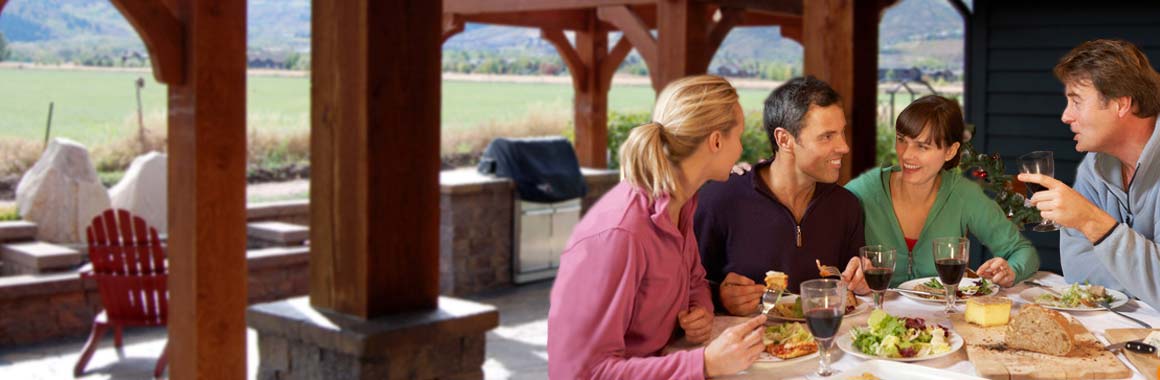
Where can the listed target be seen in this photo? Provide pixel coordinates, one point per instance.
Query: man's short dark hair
(787, 105)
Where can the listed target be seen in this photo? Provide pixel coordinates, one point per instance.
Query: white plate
(913, 284)
(1029, 295)
(885, 369)
(863, 307)
(722, 322)
(846, 343)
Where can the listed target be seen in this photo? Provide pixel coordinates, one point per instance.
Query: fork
(1104, 304)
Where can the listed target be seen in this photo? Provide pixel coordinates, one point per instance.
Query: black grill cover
(544, 169)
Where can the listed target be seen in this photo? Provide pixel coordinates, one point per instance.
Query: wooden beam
(452, 25)
(730, 17)
(778, 7)
(2, 3)
(576, 66)
(504, 6)
(207, 190)
(766, 19)
(635, 30)
(683, 34)
(612, 62)
(841, 48)
(163, 35)
(375, 98)
(590, 99)
(573, 19)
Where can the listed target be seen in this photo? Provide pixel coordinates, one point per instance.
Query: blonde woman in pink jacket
(630, 278)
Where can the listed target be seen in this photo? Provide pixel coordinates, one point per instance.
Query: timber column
(374, 310)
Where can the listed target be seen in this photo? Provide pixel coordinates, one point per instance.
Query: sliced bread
(1038, 329)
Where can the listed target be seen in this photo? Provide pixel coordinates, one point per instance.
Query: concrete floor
(517, 349)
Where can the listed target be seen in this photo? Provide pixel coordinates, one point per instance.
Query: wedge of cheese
(988, 311)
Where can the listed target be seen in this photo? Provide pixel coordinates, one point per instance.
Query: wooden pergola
(375, 90)
(840, 39)
(198, 49)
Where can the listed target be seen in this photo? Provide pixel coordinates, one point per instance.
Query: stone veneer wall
(35, 308)
(475, 231)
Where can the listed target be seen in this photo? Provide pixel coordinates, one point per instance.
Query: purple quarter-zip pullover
(741, 227)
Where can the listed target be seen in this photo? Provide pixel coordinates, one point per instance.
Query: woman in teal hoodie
(908, 205)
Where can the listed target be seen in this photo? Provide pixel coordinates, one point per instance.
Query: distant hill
(914, 32)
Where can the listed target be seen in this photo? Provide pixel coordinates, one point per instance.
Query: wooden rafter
(637, 32)
(573, 19)
(452, 24)
(780, 7)
(505, 6)
(766, 19)
(163, 35)
(730, 17)
(2, 2)
(612, 61)
(568, 53)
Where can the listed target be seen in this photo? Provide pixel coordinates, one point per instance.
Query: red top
(910, 243)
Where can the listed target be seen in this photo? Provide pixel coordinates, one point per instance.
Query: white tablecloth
(1095, 321)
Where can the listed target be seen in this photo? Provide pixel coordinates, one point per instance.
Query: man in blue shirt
(1113, 99)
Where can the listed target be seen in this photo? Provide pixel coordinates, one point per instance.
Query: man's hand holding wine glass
(1065, 206)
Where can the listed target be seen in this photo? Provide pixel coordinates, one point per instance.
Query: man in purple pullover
(786, 213)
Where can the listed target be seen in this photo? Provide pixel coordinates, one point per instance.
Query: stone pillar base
(295, 341)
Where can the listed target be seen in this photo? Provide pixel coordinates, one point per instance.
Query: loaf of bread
(1038, 329)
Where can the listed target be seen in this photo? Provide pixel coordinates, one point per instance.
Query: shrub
(17, 155)
(754, 143)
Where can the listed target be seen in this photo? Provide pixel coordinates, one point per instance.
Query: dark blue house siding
(1013, 99)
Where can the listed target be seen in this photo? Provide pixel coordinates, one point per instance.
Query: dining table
(1097, 321)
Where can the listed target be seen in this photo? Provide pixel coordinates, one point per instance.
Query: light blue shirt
(1128, 259)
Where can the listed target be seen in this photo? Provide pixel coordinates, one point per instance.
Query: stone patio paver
(517, 349)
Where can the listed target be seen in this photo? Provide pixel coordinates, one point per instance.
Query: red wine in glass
(1033, 188)
(950, 271)
(878, 278)
(824, 323)
(1039, 162)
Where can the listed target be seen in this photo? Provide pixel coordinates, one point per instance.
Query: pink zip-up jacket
(624, 275)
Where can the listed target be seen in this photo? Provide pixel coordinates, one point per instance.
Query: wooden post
(207, 191)
(374, 189)
(841, 47)
(683, 40)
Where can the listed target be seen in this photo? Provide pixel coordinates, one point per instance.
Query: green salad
(1075, 296)
(979, 287)
(888, 336)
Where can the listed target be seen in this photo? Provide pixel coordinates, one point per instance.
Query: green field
(95, 107)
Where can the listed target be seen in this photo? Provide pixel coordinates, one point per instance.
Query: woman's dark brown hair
(942, 116)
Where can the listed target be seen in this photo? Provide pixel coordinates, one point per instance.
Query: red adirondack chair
(130, 269)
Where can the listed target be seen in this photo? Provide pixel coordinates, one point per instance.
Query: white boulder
(142, 190)
(61, 193)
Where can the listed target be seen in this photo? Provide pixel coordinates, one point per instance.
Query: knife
(916, 292)
(1134, 346)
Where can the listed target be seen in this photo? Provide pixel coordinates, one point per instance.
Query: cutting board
(1146, 364)
(1088, 360)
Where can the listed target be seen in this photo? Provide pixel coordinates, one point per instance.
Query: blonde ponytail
(687, 111)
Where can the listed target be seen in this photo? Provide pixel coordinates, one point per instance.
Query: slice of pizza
(789, 340)
(776, 281)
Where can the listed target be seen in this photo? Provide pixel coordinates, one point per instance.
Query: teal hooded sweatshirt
(960, 208)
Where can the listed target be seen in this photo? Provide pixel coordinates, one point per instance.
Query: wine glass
(950, 259)
(1039, 162)
(824, 303)
(878, 268)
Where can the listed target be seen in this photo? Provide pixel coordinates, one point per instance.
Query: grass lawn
(96, 107)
